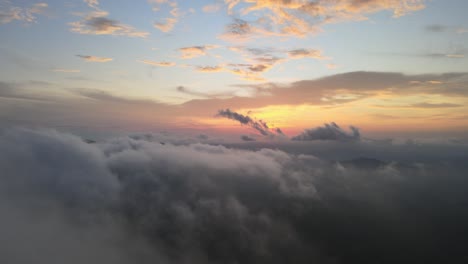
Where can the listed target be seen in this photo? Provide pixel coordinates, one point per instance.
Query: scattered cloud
(97, 23)
(299, 18)
(10, 13)
(158, 63)
(94, 58)
(167, 24)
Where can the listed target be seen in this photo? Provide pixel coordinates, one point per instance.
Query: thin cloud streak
(90, 58)
(158, 63)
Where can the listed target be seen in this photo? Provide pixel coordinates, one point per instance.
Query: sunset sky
(391, 68)
(233, 131)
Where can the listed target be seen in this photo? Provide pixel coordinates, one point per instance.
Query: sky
(236, 131)
(394, 68)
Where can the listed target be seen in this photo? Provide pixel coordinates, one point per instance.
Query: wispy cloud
(158, 63)
(462, 30)
(92, 3)
(210, 68)
(10, 13)
(440, 28)
(211, 8)
(97, 23)
(94, 58)
(166, 24)
(306, 53)
(424, 105)
(66, 70)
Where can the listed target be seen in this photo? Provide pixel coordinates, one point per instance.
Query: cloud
(445, 55)
(9, 13)
(237, 29)
(437, 28)
(92, 3)
(211, 8)
(65, 70)
(258, 125)
(210, 68)
(227, 94)
(94, 58)
(299, 18)
(339, 91)
(126, 200)
(440, 28)
(425, 105)
(167, 25)
(247, 138)
(306, 53)
(329, 132)
(462, 30)
(195, 51)
(436, 105)
(157, 4)
(261, 60)
(455, 56)
(97, 23)
(158, 63)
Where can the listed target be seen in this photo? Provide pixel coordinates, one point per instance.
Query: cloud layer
(127, 200)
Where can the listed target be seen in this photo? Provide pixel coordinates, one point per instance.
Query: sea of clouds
(139, 200)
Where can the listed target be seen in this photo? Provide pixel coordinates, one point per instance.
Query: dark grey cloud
(329, 132)
(247, 138)
(437, 28)
(132, 200)
(259, 125)
(239, 27)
